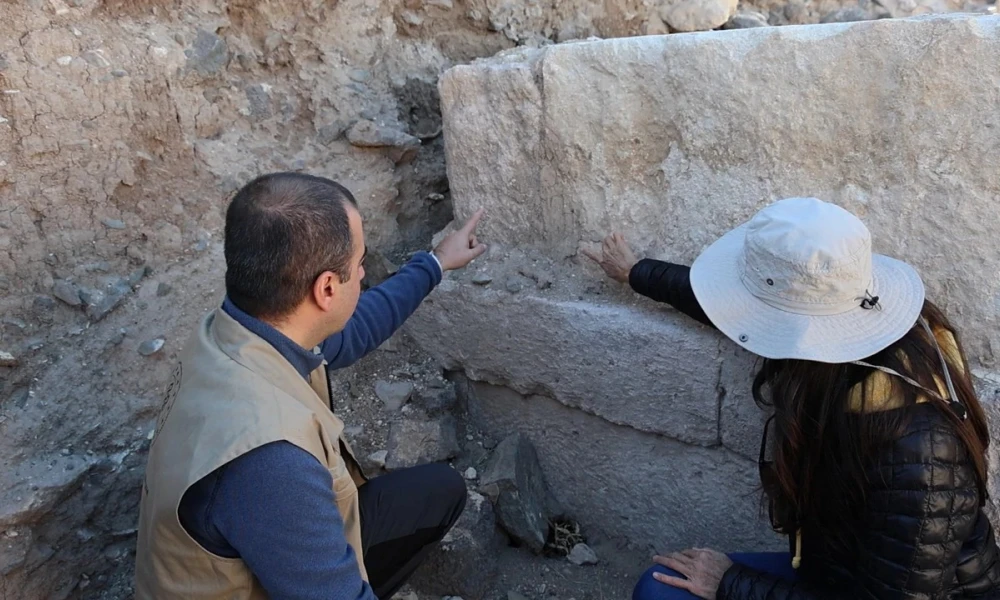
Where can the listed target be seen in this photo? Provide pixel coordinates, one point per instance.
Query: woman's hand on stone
(702, 567)
(616, 258)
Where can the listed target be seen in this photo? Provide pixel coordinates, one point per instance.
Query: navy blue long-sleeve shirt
(274, 507)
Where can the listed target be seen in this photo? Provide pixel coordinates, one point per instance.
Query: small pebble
(481, 279)
(471, 473)
(163, 289)
(7, 359)
(113, 223)
(150, 347)
(582, 554)
(378, 458)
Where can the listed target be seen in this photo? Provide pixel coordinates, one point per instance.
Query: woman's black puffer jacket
(924, 534)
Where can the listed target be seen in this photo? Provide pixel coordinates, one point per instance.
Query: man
(251, 491)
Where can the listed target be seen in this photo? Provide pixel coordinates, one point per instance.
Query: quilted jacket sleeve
(923, 505)
(669, 283)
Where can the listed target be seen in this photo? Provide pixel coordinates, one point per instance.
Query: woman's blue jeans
(775, 563)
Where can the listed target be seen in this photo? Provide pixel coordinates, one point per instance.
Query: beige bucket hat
(799, 280)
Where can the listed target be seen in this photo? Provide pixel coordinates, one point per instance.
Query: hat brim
(775, 333)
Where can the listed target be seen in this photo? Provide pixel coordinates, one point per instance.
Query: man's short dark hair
(282, 231)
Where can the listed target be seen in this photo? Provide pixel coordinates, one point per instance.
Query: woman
(878, 474)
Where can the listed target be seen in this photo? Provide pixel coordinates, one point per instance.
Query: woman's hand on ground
(703, 568)
(616, 258)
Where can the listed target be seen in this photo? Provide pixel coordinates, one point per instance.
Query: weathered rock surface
(514, 482)
(401, 146)
(465, 563)
(393, 394)
(414, 442)
(571, 350)
(687, 137)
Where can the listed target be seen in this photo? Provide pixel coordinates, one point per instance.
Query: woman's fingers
(676, 582)
(672, 562)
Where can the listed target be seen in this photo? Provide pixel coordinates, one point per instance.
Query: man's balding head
(282, 231)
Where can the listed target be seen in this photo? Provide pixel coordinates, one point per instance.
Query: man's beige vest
(231, 393)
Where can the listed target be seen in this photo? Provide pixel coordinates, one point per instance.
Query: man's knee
(439, 489)
(451, 487)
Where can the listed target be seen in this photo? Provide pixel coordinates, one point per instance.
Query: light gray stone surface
(673, 140)
(644, 420)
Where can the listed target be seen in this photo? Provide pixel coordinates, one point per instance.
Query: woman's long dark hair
(817, 480)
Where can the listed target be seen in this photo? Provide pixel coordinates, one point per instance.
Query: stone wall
(125, 125)
(642, 417)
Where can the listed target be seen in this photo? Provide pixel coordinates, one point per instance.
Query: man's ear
(325, 290)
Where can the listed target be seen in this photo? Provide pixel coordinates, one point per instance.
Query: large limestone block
(675, 139)
(631, 366)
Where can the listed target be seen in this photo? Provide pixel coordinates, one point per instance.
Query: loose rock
(516, 283)
(698, 15)
(138, 275)
(208, 55)
(360, 75)
(481, 279)
(581, 554)
(367, 134)
(100, 303)
(150, 347)
(393, 394)
(67, 291)
(7, 359)
(375, 460)
(436, 400)
(413, 442)
(746, 20)
(163, 289)
(471, 473)
(113, 223)
(513, 479)
(846, 15)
